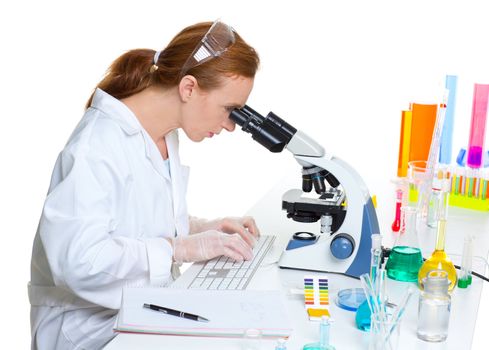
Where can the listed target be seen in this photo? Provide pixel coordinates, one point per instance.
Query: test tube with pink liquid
(475, 156)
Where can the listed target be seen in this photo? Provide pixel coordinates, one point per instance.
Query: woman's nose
(229, 125)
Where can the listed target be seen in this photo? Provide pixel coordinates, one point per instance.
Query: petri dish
(350, 299)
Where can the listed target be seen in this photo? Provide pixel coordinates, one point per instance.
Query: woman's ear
(186, 88)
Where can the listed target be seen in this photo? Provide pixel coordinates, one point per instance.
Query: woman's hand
(244, 226)
(210, 244)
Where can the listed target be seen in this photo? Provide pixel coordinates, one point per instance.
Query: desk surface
(344, 334)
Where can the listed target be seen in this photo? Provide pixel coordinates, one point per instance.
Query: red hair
(131, 72)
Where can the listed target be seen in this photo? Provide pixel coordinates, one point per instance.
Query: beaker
(417, 175)
(405, 258)
(385, 333)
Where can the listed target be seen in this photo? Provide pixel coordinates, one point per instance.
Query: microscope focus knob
(342, 246)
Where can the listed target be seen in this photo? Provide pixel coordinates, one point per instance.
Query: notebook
(231, 312)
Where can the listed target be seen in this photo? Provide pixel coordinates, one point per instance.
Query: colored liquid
(474, 159)
(362, 317)
(433, 317)
(404, 263)
(396, 225)
(438, 261)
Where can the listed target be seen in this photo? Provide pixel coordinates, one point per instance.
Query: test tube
(445, 156)
(478, 126)
(396, 225)
(466, 269)
(324, 331)
(485, 187)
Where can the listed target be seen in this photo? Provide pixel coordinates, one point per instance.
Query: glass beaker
(384, 333)
(405, 258)
(417, 175)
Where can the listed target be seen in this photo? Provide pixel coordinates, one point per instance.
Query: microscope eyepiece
(271, 131)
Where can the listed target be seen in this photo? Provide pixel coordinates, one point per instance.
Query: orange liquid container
(404, 143)
(423, 123)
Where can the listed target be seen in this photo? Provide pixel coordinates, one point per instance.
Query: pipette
(399, 311)
(425, 187)
(466, 267)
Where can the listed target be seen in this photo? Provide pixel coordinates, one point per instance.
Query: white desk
(344, 334)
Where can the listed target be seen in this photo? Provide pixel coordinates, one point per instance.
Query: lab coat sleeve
(76, 231)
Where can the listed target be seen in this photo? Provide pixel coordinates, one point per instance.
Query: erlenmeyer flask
(405, 258)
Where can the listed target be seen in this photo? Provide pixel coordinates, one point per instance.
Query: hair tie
(155, 67)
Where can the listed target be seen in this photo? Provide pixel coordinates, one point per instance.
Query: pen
(177, 313)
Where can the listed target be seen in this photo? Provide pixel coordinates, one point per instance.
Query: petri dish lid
(350, 299)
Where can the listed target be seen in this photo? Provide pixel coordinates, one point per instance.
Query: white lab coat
(111, 201)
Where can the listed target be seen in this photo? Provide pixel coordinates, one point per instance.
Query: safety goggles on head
(215, 42)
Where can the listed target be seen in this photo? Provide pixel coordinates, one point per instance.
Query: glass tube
(478, 126)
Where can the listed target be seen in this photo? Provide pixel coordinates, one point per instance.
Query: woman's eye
(229, 108)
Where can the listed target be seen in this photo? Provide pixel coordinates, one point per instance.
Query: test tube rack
(469, 188)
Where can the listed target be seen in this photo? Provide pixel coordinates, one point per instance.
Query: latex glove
(210, 244)
(244, 226)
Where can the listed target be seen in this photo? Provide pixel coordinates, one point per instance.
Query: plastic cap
(463, 283)
(376, 241)
(436, 282)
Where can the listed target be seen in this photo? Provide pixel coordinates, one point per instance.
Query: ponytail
(135, 70)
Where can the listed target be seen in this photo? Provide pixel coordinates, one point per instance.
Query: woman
(115, 214)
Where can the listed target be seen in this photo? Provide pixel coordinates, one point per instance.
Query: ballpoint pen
(174, 312)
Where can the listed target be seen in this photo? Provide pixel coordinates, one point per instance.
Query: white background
(341, 71)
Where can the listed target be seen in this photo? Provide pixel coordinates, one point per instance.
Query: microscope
(342, 202)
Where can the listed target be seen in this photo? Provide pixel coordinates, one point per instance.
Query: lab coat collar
(117, 111)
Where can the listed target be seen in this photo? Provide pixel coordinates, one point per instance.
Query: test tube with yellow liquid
(439, 259)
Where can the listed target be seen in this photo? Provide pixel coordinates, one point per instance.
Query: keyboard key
(240, 273)
(215, 284)
(246, 264)
(220, 264)
(234, 283)
(225, 283)
(196, 283)
(206, 284)
(232, 272)
(229, 264)
(242, 283)
(203, 273)
(210, 264)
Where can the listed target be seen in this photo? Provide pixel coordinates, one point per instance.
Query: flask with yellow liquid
(439, 260)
